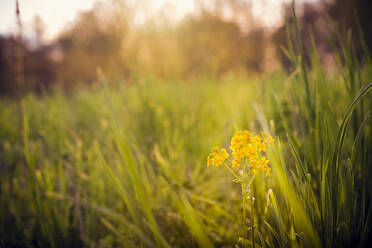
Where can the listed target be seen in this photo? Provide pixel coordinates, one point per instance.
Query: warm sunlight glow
(57, 14)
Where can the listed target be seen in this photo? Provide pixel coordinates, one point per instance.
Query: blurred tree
(324, 21)
(7, 56)
(39, 66)
(203, 44)
(95, 39)
(211, 44)
(353, 14)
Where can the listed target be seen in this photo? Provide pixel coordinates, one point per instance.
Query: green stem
(251, 181)
(231, 171)
(252, 217)
(244, 214)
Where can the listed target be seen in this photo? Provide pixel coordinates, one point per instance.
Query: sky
(56, 14)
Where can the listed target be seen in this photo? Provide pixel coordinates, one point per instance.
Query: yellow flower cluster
(217, 156)
(245, 146)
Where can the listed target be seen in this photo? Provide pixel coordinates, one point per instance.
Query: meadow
(125, 165)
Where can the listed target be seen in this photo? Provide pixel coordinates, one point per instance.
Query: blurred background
(62, 43)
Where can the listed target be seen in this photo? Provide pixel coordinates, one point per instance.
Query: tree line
(202, 44)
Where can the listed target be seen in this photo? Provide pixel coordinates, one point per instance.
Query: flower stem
(252, 217)
(251, 181)
(244, 214)
(231, 171)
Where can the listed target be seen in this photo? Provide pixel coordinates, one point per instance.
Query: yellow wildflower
(257, 140)
(263, 165)
(262, 147)
(236, 162)
(244, 145)
(263, 135)
(263, 161)
(270, 140)
(268, 171)
(240, 140)
(254, 162)
(217, 156)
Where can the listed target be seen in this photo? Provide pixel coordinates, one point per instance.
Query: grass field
(126, 165)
